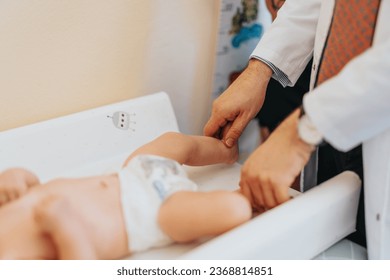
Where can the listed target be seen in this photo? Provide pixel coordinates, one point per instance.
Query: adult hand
(240, 103)
(271, 169)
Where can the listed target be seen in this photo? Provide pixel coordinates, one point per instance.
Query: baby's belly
(84, 192)
(97, 203)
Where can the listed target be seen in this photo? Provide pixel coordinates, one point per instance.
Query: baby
(149, 203)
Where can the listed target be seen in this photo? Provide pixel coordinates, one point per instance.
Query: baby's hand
(232, 154)
(14, 183)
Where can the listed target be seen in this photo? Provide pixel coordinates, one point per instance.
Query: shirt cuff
(277, 74)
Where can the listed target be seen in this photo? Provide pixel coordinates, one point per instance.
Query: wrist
(259, 68)
(307, 131)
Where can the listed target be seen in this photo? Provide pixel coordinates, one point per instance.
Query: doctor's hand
(239, 104)
(269, 172)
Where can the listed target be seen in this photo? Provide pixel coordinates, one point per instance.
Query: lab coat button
(314, 67)
(378, 217)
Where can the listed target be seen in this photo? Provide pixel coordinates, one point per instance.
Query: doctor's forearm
(354, 106)
(289, 42)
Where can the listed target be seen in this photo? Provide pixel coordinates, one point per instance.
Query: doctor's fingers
(235, 129)
(281, 194)
(268, 195)
(214, 126)
(275, 190)
(265, 189)
(246, 191)
(227, 130)
(257, 199)
(221, 114)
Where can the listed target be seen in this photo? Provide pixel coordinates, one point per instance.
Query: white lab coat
(351, 108)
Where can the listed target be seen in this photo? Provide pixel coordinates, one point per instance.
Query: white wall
(59, 57)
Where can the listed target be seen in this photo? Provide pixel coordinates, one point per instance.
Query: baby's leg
(186, 216)
(64, 227)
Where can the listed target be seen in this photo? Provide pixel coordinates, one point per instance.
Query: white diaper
(145, 183)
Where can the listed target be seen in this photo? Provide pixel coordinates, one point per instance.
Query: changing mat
(97, 141)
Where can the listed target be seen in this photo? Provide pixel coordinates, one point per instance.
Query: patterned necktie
(350, 34)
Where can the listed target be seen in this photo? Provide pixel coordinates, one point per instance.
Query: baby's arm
(189, 149)
(14, 182)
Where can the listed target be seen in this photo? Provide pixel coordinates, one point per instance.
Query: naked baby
(149, 203)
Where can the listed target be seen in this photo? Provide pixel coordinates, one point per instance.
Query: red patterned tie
(350, 34)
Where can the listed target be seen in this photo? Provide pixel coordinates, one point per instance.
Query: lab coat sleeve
(354, 106)
(289, 42)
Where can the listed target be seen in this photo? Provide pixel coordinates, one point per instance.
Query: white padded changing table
(98, 140)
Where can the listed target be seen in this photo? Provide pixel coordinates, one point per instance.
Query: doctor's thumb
(232, 134)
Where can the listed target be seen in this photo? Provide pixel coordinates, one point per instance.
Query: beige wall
(59, 57)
